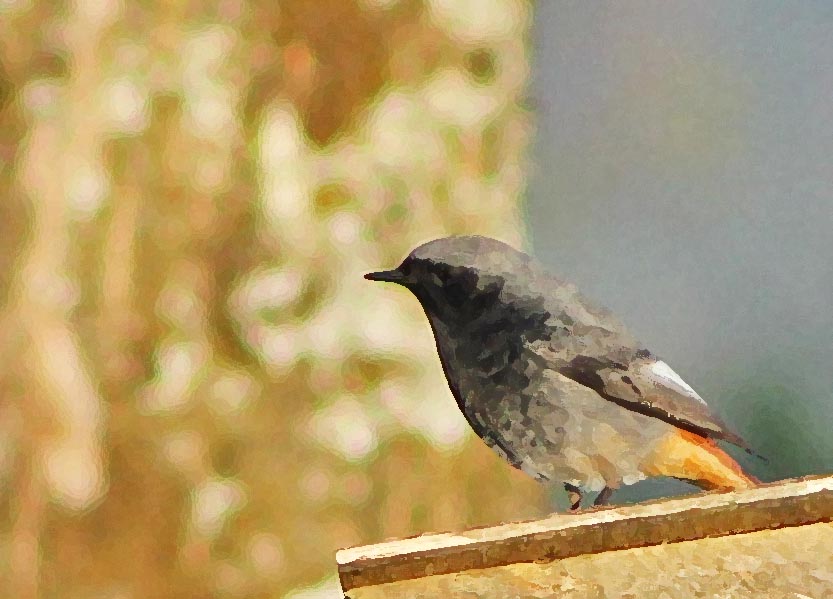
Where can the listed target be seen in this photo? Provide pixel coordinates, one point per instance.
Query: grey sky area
(683, 177)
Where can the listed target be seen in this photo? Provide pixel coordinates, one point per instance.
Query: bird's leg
(574, 495)
(603, 498)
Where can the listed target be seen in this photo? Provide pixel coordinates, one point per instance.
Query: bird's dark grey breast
(486, 349)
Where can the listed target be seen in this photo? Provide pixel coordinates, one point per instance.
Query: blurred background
(683, 177)
(199, 394)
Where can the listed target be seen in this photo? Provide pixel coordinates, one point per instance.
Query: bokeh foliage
(199, 395)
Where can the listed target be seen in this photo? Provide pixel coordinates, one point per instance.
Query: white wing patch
(664, 372)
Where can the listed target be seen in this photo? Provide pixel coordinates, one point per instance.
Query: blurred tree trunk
(200, 394)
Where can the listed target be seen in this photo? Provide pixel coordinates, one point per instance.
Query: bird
(554, 383)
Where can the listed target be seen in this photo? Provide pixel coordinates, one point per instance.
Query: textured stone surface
(700, 540)
(785, 563)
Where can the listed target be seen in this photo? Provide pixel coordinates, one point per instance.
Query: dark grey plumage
(541, 373)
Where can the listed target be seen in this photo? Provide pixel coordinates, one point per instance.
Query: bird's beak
(387, 276)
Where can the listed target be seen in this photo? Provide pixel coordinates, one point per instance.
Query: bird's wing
(649, 386)
(592, 347)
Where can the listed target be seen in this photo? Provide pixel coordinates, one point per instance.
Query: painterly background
(199, 394)
(684, 178)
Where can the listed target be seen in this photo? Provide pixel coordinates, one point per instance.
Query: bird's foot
(574, 496)
(603, 498)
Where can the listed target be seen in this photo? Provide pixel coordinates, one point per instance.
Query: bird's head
(456, 276)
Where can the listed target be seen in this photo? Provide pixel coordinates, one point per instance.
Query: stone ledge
(790, 503)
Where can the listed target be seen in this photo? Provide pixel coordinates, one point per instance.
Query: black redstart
(555, 384)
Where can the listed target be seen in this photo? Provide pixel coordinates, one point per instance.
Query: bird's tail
(699, 460)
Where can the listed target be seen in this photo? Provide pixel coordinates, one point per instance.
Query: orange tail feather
(699, 460)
